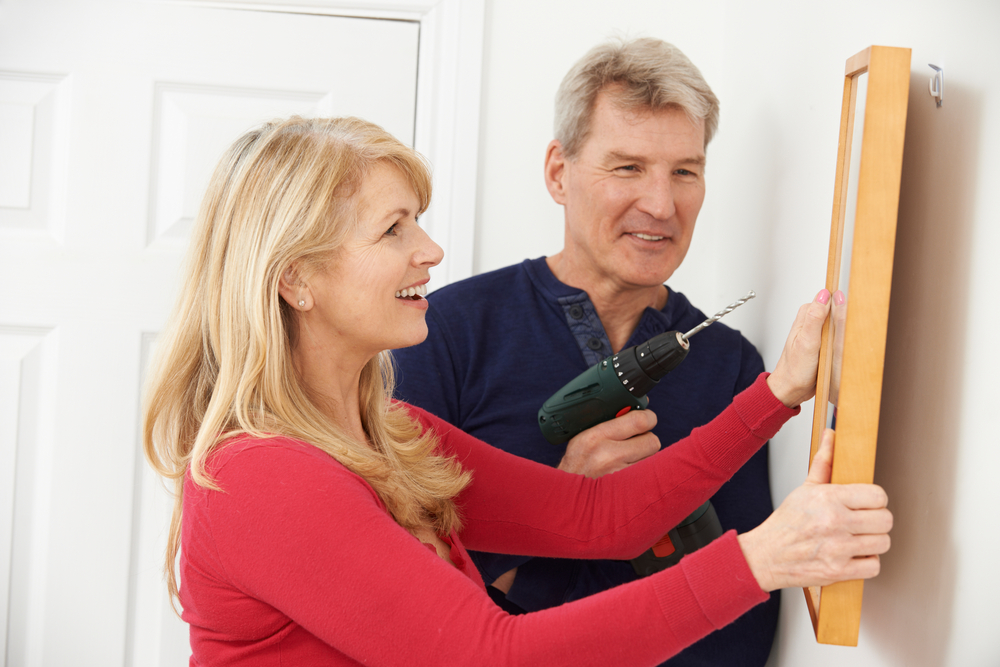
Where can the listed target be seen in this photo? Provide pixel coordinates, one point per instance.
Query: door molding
(449, 84)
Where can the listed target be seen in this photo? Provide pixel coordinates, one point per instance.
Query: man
(627, 164)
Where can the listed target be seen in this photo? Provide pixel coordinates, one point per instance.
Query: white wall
(778, 69)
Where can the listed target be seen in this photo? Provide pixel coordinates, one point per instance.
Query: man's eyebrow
(696, 160)
(618, 156)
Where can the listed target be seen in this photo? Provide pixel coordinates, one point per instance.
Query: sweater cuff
(716, 589)
(761, 410)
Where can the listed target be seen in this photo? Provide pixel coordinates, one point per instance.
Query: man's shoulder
(491, 292)
(490, 281)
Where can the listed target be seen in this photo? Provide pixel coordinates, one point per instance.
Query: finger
(810, 324)
(863, 496)
(820, 305)
(811, 316)
(870, 545)
(811, 313)
(868, 522)
(816, 310)
(640, 447)
(864, 567)
(630, 424)
(821, 468)
(611, 456)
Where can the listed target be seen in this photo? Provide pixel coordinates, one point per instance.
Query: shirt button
(594, 344)
(576, 312)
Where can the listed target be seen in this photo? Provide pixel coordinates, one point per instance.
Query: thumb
(822, 464)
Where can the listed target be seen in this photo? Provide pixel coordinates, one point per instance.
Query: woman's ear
(294, 290)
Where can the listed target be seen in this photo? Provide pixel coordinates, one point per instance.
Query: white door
(112, 114)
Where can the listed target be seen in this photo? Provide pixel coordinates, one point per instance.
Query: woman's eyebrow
(399, 211)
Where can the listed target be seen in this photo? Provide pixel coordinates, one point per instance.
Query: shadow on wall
(908, 608)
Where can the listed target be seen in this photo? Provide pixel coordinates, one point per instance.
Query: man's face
(631, 195)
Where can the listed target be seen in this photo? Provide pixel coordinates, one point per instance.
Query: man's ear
(293, 289)
(555, 171)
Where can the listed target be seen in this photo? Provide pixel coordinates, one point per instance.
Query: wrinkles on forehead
(623, 156)
(636, 103)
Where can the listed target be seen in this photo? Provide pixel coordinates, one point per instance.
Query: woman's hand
(794, 377)
(822, 533)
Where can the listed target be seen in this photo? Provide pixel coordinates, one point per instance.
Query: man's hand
(822, 533)
(612, 445)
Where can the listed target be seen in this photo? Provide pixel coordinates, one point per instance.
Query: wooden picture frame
(836, 610)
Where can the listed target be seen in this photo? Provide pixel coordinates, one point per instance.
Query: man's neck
(619, 308)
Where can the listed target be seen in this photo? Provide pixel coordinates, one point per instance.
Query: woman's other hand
(794, 377)
(822, 533)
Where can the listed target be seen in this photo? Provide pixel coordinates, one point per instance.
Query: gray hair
(650, 73)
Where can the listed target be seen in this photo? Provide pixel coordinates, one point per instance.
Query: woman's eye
(391, 231)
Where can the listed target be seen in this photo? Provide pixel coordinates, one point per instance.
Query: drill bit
(715, 318)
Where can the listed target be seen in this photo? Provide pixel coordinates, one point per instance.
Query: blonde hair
(282, 193)
(645, 73)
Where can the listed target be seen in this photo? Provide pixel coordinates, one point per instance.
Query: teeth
(419, 290)
(647, 237)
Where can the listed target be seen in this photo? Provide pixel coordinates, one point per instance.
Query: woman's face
(370, 297)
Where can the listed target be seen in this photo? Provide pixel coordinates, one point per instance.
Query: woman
(324, 524)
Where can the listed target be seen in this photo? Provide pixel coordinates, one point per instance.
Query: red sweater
(297, 562)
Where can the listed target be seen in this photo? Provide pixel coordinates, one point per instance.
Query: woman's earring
(302, 303)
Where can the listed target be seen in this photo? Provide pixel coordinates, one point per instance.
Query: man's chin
(645, 269)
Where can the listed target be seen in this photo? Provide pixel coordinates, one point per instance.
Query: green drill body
(612, 388)
(609, 389)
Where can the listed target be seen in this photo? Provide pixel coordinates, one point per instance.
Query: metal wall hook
(937, 84)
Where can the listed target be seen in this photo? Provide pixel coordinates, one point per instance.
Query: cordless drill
(610, 389)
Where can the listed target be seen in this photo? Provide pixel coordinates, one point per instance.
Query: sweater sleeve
(300, 534)
(519, 506)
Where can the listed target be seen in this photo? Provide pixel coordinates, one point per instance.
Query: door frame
(449, 84)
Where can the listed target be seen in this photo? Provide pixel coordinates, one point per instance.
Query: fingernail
(839, 298)
(824, 296)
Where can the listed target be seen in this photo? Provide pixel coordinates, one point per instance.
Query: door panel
(112, 115)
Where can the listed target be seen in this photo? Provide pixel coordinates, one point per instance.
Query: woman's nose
(427, 251)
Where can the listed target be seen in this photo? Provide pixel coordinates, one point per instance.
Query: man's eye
(685, 172)
(629, 167)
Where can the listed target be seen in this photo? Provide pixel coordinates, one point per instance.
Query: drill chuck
(661, 354)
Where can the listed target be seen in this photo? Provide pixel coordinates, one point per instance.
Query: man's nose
(657, 198)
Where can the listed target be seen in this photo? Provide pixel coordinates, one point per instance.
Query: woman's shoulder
(246, 448)
(451, 440)
(246, 467)
(253, 459)
(426, 420)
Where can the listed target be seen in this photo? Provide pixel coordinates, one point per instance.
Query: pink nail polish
(839, 298)
(824, 296)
